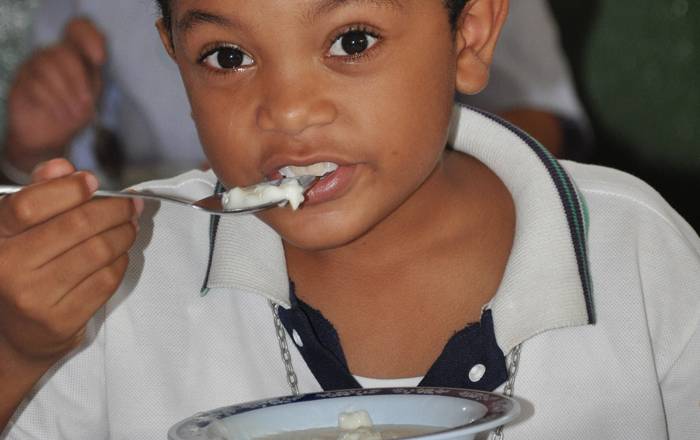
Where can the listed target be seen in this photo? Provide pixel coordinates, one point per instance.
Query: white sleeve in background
(82, 151)
(529, 67)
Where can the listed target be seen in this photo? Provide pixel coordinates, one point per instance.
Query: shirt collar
(546, 283)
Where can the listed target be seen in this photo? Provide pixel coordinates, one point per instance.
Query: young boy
(485, 266)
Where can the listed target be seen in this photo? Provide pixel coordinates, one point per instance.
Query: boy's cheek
(222, 141)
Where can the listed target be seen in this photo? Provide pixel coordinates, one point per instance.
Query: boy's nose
(293, 108)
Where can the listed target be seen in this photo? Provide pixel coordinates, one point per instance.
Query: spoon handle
(126, 194)
(9, 189)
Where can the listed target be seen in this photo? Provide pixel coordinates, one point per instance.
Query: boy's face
(365, 84)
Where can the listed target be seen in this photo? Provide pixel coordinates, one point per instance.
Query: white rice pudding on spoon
(288, 191)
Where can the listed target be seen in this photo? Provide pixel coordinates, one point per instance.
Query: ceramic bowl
(453, 413)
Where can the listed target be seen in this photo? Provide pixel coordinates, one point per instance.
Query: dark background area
(636, 65)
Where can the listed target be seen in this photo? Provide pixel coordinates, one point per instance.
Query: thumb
(83, 35)
(52, 169)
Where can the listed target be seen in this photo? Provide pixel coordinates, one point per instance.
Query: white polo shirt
(601, 292)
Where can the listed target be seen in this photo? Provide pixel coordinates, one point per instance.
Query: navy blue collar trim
(470, 359)
(573, 206)
(213, 229)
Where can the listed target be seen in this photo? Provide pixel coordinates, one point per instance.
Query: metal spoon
(212, 204)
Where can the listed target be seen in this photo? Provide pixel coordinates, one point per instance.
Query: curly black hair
(454, 8)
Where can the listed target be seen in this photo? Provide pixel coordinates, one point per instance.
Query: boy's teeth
(319, 169)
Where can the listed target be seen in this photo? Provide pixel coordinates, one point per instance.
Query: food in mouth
(319, 169)
(286, 191)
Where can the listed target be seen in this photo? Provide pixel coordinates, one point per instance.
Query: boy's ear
(165, 37)
(477, 32)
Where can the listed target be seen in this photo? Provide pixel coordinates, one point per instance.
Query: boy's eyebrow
(323, 7)
(196, 16)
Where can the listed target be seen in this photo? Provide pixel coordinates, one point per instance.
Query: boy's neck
(462, 212)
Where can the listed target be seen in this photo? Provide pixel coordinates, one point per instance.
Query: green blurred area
(636, 66)
(653, 100)
(15, 19)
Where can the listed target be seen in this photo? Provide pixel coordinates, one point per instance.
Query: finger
(41, 96)
(60, 167)
(62, 325)
(71, 78)
(82, 302)
(87, 38)
(37, 203)
(81, 78)
(70, 229)
(61, 71)
(63, 274)
(52, 169)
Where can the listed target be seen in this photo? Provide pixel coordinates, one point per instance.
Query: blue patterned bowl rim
(499, 408)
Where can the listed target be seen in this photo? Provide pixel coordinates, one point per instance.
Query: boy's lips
(331, 186)
(335, 175)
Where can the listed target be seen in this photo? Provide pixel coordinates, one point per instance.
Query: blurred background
(635, 65)
(15, 19)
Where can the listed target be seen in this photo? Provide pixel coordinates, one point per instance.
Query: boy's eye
(227, 58)
(352, 43)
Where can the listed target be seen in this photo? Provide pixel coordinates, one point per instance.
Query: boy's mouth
(319, 169)
(334, 179)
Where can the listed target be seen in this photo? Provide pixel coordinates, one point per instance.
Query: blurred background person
(102, 91)
(53, 96)
(139, 127)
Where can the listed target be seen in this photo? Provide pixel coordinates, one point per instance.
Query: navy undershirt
(472, 349)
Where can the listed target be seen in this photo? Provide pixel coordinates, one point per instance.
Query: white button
(297, 338)
(477, 372)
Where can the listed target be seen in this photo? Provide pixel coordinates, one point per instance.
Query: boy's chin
(314, 235)
(318, 241)
(304, 245)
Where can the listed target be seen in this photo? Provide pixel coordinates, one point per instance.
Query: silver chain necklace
(513, 360)
(284, 350)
